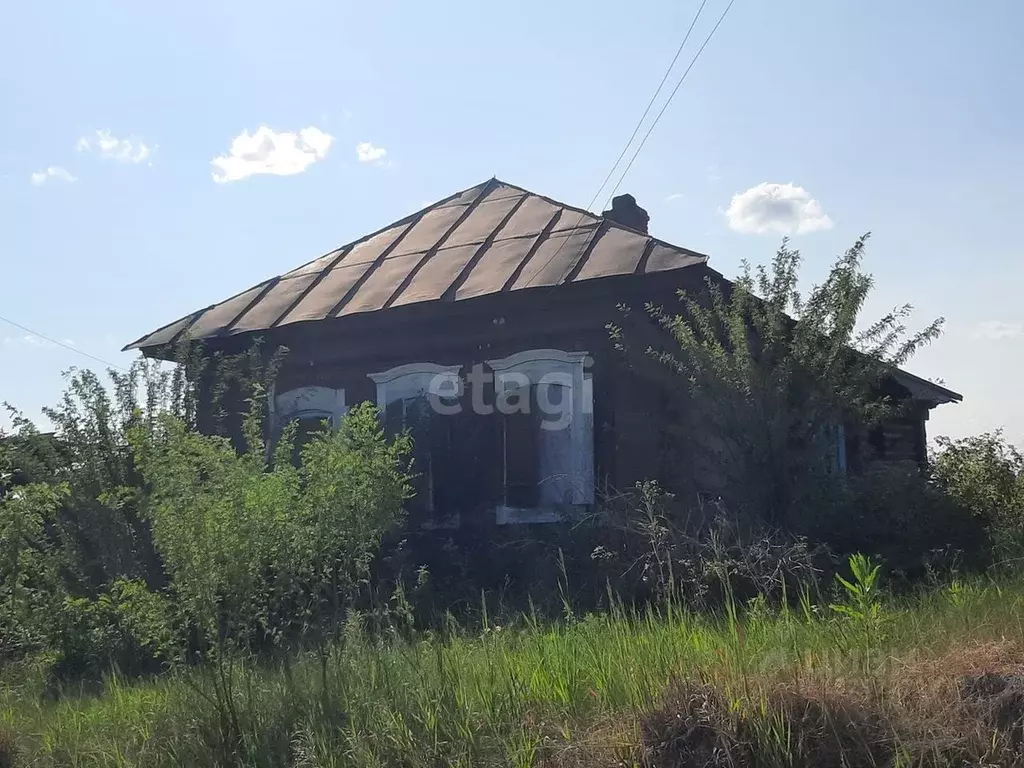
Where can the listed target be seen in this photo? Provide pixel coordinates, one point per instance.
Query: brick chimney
(625, 211)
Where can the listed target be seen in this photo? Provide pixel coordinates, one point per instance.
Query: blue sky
(825, 119)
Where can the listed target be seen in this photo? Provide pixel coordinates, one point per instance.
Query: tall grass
(603, 689)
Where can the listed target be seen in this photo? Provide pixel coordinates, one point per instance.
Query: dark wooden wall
(633, 409)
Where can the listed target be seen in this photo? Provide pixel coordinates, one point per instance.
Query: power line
(650, 104)
(672, 95)
(636, 130)
(62, 344)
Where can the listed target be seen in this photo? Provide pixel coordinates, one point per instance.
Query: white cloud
(367, 153)
(997, 330)
(782, 208)
(124, 150)
(674, 196)
(266, 151)
(53, 172)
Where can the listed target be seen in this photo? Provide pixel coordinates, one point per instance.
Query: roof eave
(928, 391)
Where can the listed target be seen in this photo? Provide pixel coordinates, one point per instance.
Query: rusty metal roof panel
(555, 258)
(533, 215)
(484, 221)
(381, 284)
(220, 317)
(618, 252)
(469, 195)
(371, 249)
(487, 239)
(278, 301)
(665, 257)
(166, 335)
(496, 267)
(429, 229)
(436, 275)
(579, 220)
(315, 266)
(324, 297)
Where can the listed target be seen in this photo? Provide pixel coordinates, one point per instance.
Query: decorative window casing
(420, 397)
(309, 402)
(310, 406)
(414, 381)
(545, 398)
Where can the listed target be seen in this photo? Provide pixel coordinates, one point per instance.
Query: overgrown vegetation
(755, 685)
(985, 474)
(771, 385)
(174, 590)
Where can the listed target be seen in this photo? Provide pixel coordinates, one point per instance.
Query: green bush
(985, 475)
(255, 549)
(128, 629)
(127, 517)
(30, 584)
(899, 514)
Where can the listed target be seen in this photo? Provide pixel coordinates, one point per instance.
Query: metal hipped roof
(488, 239)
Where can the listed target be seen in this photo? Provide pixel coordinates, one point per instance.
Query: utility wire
(62, 344)
(640, 122)
(671, 96)
(636, 130)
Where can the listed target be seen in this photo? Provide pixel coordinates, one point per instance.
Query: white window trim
(535, 364)
(304, 402)
(412, 380)
(508, 515)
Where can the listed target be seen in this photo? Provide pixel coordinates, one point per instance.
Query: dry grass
(916, 713)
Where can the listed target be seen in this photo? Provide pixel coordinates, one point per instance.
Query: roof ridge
(386, 227)
(602, 217)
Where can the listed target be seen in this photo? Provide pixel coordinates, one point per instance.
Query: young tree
(768, 373)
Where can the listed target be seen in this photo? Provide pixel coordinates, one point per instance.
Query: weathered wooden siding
(637, 411)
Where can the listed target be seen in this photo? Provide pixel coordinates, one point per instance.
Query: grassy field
(883, 683)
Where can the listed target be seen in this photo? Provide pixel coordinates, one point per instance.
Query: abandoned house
(480, 324)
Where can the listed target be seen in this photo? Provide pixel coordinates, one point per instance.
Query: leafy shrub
(30, 586)
(128, 628)
(256, 551)
(985, 475)
(898, 514)
(126, 516)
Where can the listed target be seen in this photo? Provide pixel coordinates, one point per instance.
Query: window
(544, 399)
(421, 397)
(309, 406)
